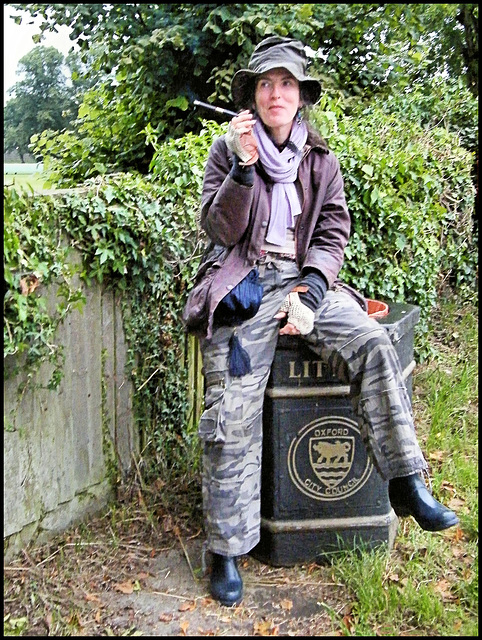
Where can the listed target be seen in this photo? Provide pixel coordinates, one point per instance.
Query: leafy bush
(411, 197)
(35, 255)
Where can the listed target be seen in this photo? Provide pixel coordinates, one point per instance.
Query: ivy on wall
(136, 234)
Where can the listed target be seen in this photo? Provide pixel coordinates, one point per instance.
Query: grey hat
(271, 53)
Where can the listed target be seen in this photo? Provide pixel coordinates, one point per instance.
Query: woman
(273, 201)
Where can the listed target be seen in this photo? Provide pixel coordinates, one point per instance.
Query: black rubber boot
(410, 497)
(226, 584)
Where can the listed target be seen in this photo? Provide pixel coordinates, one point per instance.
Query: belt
(269, 256)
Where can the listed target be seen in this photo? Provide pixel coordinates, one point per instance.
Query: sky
(18, 41)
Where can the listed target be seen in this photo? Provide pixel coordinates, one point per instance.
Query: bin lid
(401, 318)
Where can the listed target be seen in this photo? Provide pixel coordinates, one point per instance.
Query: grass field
(25, 181)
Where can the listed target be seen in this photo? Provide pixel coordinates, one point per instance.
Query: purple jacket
(235, 218)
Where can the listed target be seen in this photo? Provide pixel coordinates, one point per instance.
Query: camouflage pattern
(360, 353)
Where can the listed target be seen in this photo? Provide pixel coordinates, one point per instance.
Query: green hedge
(411, 196)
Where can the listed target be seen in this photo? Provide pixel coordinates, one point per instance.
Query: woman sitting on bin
(274, 208)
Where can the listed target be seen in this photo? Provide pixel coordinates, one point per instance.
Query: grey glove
(298, 314)
(242, 143)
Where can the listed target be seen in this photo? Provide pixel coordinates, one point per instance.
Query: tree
(151, 60)
(42, 100)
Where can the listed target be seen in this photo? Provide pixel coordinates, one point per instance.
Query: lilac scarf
(282, 168)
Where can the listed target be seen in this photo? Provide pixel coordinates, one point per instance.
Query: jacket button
(264, 223)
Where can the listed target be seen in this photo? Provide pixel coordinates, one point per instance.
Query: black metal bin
(320, 493)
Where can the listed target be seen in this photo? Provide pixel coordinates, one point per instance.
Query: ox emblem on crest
(327, 459)
(331, 460)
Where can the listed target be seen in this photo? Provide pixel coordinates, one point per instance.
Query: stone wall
(63, 449)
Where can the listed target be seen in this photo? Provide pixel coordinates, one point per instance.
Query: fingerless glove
(243, 143)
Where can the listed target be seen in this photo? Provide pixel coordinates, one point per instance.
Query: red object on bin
(376, 308)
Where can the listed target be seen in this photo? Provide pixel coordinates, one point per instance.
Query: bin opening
(377, 309)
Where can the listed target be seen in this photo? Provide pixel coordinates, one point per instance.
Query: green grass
(25, 181)
(428, 583)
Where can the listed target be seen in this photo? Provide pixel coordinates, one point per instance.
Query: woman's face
(277, 98)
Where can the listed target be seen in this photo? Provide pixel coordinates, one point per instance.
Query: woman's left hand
(300, 318)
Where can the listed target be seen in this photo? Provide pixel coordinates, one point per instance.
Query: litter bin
(320, 493)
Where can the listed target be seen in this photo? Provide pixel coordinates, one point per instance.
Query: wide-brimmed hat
(272, 53)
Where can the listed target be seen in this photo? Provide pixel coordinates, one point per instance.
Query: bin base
(285, 543)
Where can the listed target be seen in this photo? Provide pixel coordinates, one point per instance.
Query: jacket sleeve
(328, 230)
(225, 203)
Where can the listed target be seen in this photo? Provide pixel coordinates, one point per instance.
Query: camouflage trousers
(359, 352)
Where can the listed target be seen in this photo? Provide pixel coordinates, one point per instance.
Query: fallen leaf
(91, 597)
(29, 284)
(187, 606)
(165, 617)
(442, 587)
(74, 620)
(167, 523)
(184, 627)
(142, 575)
(394, 577)
(124, 587)
(447, 486)
(348, 621)
(286, 604)
(265, 628)
(456, 504)
(456, 533)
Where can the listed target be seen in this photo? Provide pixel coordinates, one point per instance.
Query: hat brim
(242, 85)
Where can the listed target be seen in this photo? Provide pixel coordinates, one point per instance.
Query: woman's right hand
(240, 138)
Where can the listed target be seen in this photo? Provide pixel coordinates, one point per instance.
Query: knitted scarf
(282, 168)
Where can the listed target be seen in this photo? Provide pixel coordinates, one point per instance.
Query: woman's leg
(231, 424)
(360, 352)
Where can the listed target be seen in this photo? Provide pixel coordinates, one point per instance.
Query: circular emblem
(324, 460)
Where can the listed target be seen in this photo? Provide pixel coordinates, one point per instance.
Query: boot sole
(440, 527)
(228, 603)
(403, 512)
